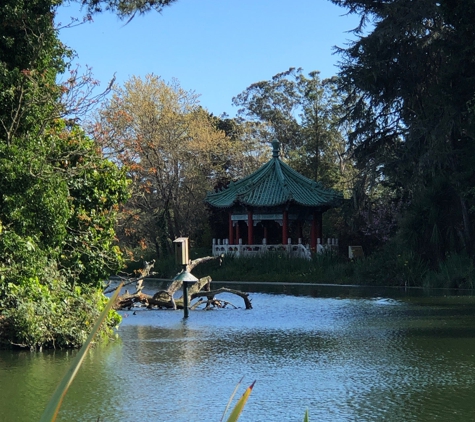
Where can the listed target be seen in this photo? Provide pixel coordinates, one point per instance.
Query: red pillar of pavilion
(250, 224)
(237, 232)
(230, 229)
(285, 228)
(313, 233)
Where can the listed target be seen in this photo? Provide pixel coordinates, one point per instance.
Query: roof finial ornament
(275, 148)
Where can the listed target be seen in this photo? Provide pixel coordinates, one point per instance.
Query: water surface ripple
(399, 358)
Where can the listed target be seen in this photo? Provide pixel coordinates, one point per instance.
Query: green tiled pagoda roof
(275, 183)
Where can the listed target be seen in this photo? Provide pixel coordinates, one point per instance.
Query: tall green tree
(303, 112)
(274, 104)
(412, 89)
(58, 195)
(250, 152)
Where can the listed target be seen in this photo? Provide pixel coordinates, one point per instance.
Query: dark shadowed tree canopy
(413, 88)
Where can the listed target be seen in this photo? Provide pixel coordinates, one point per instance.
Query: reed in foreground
(52, 409)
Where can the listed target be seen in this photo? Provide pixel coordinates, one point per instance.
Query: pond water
(345, 354)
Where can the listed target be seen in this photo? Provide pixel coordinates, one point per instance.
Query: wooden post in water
(185, 299)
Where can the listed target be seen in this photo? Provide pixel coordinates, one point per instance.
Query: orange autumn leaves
(173, 153)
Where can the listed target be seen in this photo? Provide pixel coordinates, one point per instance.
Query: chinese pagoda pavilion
(264, 207)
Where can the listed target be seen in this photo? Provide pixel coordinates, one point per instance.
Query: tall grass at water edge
(274, 267)
(390, 266)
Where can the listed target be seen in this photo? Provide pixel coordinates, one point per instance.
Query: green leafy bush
(51, 315)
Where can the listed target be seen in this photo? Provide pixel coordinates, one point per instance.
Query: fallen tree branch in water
(144, 272)
(164, 299)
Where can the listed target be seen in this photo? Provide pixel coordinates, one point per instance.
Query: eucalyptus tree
(304, 113)
(274, 104)
(412, 90)
(250, 152)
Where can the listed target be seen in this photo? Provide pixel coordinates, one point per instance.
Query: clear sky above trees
(217, 48)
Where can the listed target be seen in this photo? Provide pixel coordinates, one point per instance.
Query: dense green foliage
(58, 195)
(412, 89)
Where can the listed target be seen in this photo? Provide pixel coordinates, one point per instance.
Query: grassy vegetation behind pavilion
(390, 266)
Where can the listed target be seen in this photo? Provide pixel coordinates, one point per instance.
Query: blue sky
(216, 48)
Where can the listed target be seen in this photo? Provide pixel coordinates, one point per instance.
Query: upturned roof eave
(282, 185)
(240, 202)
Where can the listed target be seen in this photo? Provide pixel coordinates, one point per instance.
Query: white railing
(299, 250)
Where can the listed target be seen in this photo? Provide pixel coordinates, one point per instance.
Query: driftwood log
(164, 299)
